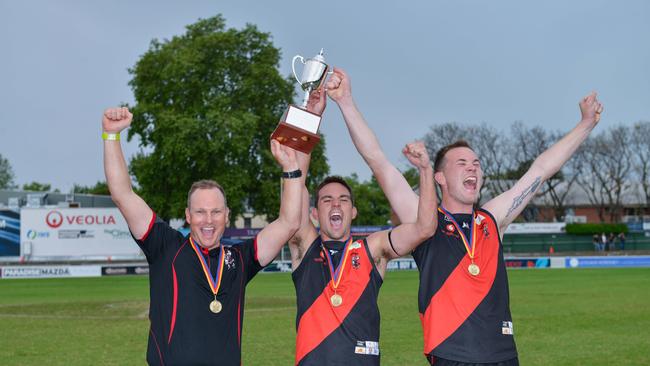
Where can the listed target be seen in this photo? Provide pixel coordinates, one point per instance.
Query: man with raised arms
(196, 284)
(337, 279)
(463, 298)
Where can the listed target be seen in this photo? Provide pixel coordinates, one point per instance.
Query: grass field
(561, 317)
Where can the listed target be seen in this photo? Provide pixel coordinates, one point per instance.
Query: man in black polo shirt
(196, 285)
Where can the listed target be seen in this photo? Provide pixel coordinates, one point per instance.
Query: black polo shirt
(183, 329)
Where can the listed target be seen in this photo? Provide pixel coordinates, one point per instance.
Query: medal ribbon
(216, 282)
(336, 275)
(469, 244)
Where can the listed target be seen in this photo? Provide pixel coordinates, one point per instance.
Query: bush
(591, 229)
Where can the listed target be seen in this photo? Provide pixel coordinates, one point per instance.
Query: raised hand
(338, 86)
(417, 154)
(284, 155)
(116, 119)
(591, 108)
(317, 101)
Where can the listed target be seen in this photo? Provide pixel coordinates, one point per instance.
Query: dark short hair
(206, 184)
(440, 155)
(333, 179)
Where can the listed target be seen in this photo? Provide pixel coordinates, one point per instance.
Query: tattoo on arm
(517, 201)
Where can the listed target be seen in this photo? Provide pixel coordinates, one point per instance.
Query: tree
(641, 152)
(37, 187)
(6, 174)
(206, 104)
(605, 162)
(100, 188)
(371, 203)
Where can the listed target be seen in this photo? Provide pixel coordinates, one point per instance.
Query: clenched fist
(116, 119)
(591, 108)
(417, 154)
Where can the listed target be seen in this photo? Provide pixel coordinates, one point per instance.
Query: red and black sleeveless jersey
(183, 329)
(465, 318)
(343, 335)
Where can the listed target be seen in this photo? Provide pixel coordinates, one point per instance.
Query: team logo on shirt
(229, 260)
(356, 261)
(450, 228)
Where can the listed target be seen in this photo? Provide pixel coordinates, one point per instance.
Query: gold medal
(336, 300)
(215, 306)
(473, 269)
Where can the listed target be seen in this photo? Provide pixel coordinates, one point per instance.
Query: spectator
(621, 239)
(612, 242)
(603, 242)
(596, 243)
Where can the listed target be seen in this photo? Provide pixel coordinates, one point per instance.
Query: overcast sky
(413, 64)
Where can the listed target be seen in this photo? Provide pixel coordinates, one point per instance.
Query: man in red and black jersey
(463, 296)
(337, 279)
(197, 285)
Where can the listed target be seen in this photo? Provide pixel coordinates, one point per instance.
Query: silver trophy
(298, 127)
(313, 74)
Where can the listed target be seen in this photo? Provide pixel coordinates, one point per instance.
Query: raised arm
(306, 234)
(407, 236)
(136, 212)
(400, 195)
(273, 237)
(508, 205)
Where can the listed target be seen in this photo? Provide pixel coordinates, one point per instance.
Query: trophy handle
(293, 67)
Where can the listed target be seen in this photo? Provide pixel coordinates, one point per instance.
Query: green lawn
(561, 317)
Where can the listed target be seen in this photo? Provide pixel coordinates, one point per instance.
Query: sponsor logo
(33, 234)
(76, 234)
(54, 219)
(118, 234)
(141, 270)
(367, 348)
(465, 225)
(35, 272)
(506, 328)
(115, 271)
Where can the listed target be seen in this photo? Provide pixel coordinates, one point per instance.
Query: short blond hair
(206, 184)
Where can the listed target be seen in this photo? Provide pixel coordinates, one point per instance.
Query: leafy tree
(206, 104)
(100, 188)
(37, 187)
(6, 174)
(371, 203)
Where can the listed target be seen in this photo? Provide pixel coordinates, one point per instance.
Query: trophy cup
(298, 128)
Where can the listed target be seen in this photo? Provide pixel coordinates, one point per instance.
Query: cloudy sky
(413, 64)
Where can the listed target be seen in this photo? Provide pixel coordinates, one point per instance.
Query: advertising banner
(536, 228)
(591, 262)
(9, 233)
(49, 271)
(76, 233)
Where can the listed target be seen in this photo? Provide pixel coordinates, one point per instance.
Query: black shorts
(442, 362)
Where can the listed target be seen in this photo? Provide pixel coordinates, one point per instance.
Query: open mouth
(336, 220)
(207, 232)
(470, 183)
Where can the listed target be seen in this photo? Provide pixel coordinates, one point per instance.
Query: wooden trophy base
(298, 129)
